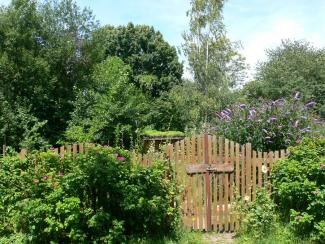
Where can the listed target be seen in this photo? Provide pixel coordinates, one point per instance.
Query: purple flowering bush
(268, 125)
(98, 197)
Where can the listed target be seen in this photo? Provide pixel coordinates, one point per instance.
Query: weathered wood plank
(200, 202)
(22, 154)
(209, 168)
(231, 186)
(237, 194)
(248, 170)
(207, 182)
(226, 186)
(254, 176)
(195, 213)
(243, 171)
(74, 150)
(260, 160)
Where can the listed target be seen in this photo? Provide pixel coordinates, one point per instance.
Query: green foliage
(153, 61)
(259, 216)
(100, 197)
(156, 133)
(186, 108)
(294, 66)
(213, 58)
(42, 58)
(280, 234)
(261, 223)
(111, 111)
(16, 238)
(299, 187)
(268, 125)
(184, 237)
(18, 128)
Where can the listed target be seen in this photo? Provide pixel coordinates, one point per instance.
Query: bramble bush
(299, 188)
(269, 125)
(100, 197)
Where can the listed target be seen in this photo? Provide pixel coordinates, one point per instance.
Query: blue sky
(258, 24)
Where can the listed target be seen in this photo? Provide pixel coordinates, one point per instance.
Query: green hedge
(156, 133)
(299, 188)
(101, 197)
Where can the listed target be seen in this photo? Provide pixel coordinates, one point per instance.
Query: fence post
(207, 184)
(22, 153)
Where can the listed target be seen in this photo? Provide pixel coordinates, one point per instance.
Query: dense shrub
(100, 197)
(259, 216)
(269, 125)
(299, 187)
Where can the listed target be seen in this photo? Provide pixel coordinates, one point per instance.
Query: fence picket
(195, 213)
(74, 150)
(215, 184)
(264, 168)
(243, 170)
(176, 160)
(221, 188)
(23, 153)
(248, 170)
(226, 186)
(81, 148)
(259, 169)
(231, 190)
(237, 194)
(254, 176)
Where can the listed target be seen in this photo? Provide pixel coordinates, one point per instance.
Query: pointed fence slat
(254, 165)
(243, 171)
(221, 188)
(237, 193)
(260, 160)
(248, 170)
(231, 189)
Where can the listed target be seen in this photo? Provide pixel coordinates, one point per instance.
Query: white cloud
(258, 42)
(4, 2)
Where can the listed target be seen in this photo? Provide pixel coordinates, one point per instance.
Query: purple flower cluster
(269, 125)
(224, 114)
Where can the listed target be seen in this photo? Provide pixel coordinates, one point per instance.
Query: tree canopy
(294, 66)
(154, 62)
(213, 58)
(41, 58)
(64, 78)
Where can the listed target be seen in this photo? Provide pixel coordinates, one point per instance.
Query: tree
(18, 128)
(294, 66)
(112, 110)
(42, 59)
(213, 58)
(185, 108)
(153, 61)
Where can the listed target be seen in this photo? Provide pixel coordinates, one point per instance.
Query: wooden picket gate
(215, 174)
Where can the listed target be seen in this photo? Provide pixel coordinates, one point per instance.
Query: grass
(186, 237)
(156, 133)
(281, 235)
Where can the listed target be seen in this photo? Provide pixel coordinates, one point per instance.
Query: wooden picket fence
(72, 149)
(216, 174)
